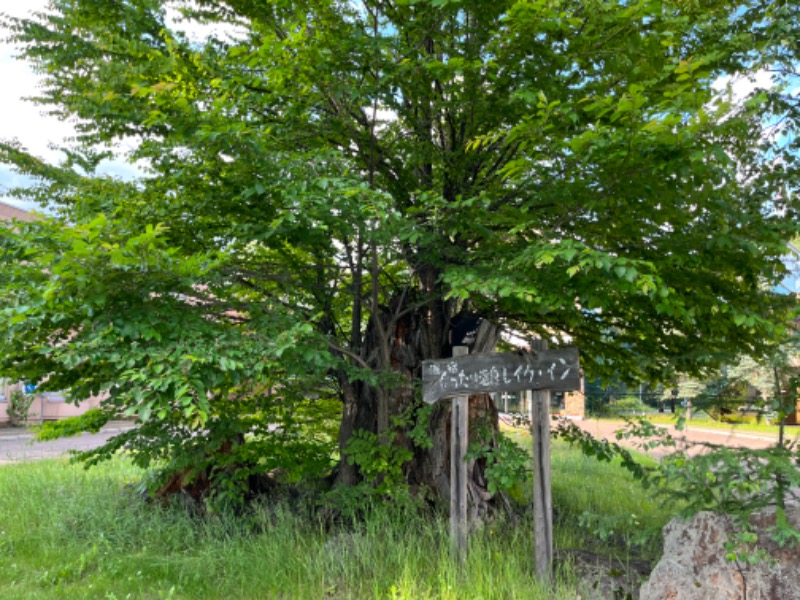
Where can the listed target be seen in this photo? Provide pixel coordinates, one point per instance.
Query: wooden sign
(542, 370)
(556, 370)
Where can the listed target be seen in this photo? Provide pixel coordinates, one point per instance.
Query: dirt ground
(604, 429)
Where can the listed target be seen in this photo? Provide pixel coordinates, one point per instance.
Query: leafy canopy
(315, 171)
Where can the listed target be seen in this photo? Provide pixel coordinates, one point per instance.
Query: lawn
(70, 533)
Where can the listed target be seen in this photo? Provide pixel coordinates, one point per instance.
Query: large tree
(328, 188)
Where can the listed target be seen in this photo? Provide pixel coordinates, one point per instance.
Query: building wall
(575, 404)
(46, 407)
(8, 212)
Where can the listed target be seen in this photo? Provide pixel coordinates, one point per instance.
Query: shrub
(19, 406)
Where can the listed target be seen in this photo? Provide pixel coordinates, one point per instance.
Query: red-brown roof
(8, 212)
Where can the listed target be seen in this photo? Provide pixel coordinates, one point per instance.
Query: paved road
(17, 445)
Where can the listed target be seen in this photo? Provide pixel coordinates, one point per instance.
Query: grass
(70, 533)
(613, 512)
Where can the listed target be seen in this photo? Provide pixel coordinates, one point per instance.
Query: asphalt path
(18, 445)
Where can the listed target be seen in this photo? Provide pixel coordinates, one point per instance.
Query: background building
(47, 405)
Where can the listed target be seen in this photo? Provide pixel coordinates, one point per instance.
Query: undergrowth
(67, 532)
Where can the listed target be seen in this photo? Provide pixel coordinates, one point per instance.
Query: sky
(19, 119)
(27, 122)
(40, 132)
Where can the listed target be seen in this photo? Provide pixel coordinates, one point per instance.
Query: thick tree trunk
(430, 468)
(416, 336)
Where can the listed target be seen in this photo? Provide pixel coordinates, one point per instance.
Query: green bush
(629, 404)
(19, 406)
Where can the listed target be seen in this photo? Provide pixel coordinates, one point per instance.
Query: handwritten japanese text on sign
(557, 370)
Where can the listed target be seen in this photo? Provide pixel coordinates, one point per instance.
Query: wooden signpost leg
(542, 495)
(458, 471)
(458, 478)
(461, 375)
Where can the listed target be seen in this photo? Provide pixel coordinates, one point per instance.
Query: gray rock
(604, 578)
(694, 565)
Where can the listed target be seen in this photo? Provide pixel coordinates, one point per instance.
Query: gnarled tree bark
(420, 334)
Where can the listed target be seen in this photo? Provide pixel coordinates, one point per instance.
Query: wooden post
(458, 470)
(542, 495)
(466, 374)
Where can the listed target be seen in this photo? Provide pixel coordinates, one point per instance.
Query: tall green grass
(599, 507)
(70, 533)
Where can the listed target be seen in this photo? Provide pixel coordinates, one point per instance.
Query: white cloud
(29, 123)
(742, 85)
(40, 133)
(199, 33)
(23, 120)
